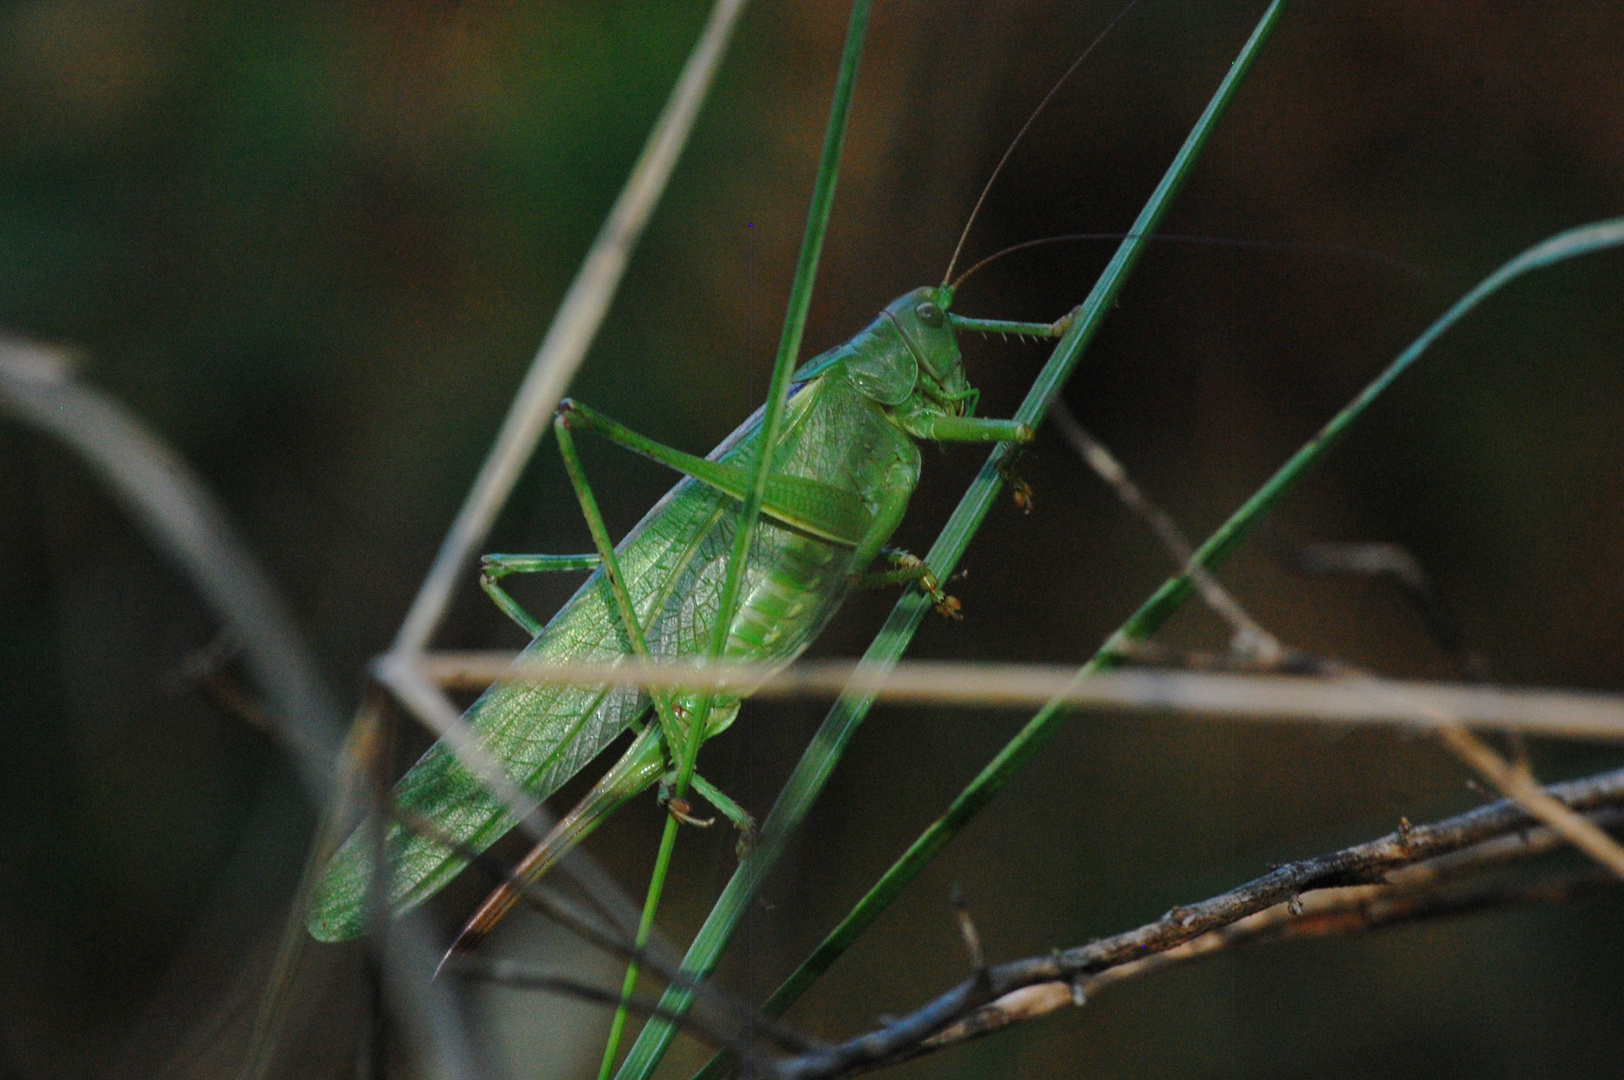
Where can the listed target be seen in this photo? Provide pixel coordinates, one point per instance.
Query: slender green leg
(570, 414)
(1020, 489)
(738, 815)
(611, 570)
(495, 567)
(741, 819)
(975, 430)
(893, 504)
(911, 569)
(683, 810)
(907, 575)
(500, 566)
(1055, 329)
(579, 416)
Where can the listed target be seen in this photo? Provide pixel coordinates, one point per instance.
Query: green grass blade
(1155, 611)
(819, 760)
(789, 345)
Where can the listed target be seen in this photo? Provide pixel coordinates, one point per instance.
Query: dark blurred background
(315, 245)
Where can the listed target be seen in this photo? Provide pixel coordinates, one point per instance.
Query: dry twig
(1348, 699)
(1248, 637)
(1326, 913)
(1375, 884)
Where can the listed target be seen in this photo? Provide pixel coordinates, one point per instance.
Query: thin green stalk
(634, 633)
(645, 927)
(819, 760)
(1144, 622)
(789, 346)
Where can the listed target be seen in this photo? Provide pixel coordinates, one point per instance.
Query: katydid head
(908, 361)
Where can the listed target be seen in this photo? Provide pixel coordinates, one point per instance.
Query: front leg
(973, 429)
(923, 420)
(927, 424)
(899, 486)
(1019, 329)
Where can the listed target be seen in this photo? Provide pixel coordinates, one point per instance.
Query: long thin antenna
(1013, 143)
(1300, 246)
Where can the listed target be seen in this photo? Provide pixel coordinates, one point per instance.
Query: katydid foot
(682, 810)
(911, 569)
(1018, 488)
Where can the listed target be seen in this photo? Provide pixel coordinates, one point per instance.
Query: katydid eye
(929, 314)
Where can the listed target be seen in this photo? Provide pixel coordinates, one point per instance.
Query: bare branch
(1398, 870)
(1513, 781)
(1517, 783)
(1328, 913)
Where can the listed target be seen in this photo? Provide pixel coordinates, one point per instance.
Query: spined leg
(911, 569)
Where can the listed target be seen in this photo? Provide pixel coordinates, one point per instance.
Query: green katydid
(841, 479)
